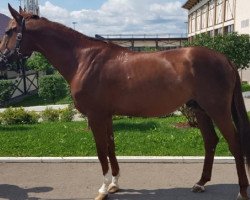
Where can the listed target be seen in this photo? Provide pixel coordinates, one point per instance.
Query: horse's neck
(62, 49)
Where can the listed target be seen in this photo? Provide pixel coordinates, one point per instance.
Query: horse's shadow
(214, 192)
(13, 192)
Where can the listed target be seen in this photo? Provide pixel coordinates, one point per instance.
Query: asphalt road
(146, 181)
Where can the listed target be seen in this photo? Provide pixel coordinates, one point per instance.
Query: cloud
(122, 17)
(54, 12)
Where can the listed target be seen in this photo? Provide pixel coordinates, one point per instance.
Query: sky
(113, 16)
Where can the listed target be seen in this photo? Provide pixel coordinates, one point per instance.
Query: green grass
(133, 136)
(245, 86)
(35, 100)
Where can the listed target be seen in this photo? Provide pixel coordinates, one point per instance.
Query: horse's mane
(64, 29)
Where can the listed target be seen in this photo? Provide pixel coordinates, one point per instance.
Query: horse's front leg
(99, 128)
(113, 187)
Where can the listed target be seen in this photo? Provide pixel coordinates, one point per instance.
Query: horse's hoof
(102, 196)
(240, 197)
(198, 188)
(113, 189)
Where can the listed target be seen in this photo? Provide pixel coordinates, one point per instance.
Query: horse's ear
(15, 15)
(20, 10)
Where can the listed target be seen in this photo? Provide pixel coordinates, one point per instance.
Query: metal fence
(24, 83)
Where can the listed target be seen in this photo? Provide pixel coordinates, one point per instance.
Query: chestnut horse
(107, 80)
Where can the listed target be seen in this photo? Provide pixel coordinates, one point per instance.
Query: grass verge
(133, 136)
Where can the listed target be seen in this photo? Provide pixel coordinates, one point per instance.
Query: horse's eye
(8, 32)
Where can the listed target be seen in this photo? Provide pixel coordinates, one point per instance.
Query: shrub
(189, 114)
(50, 115)
(18, 116)
(6, 90)
(67, 114)
(39, 63)
(52, 87)
(245, 86)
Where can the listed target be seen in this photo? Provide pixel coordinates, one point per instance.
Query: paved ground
(76, 181)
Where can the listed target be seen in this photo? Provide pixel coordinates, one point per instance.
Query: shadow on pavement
(13, 192)
(214, 192)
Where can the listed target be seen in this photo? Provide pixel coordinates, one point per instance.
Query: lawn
(133, 136)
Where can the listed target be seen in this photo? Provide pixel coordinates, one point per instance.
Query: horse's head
(15, 43)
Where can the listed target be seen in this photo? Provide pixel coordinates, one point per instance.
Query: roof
(4, 20)
(189, 4)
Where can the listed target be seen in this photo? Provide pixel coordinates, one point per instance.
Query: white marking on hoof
(103, 189)
(114, 187)
(239, 197)
(101, 196)
(106, 181)
(198, 188)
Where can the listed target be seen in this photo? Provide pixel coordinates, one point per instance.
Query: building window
(219, 12)
(198, 20)
(211, 13)
(193, 22)
(189, 24)
(245, 23)
(229, 29)
(229, 10)
(204, 17)
(211, 33)
(218, 31)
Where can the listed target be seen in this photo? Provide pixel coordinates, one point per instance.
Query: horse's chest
(81, 96)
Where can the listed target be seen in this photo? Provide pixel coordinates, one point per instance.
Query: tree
(236, 47)
(39, 63)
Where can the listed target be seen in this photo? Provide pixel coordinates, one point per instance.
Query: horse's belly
(150, 105)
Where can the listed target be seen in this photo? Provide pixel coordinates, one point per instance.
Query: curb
(41, 108)
(121, 159)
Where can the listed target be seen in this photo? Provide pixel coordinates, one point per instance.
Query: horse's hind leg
(223, 120)
(113, 187)
(210, 141)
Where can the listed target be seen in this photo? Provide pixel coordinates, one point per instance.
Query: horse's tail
(240, 118)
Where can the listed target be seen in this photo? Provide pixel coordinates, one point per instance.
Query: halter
(7, 53)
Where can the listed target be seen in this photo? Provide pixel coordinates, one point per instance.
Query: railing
(141, 36)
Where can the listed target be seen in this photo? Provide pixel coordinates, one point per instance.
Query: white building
(31, 6)
(218, 16)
